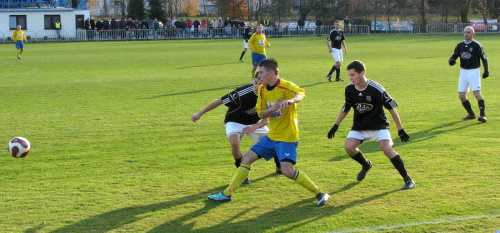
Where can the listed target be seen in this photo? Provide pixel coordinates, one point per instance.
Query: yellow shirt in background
(258, 42)
(18, 36)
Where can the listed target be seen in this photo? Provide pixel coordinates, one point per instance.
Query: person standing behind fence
(19, 39)
(156, 26)
(470, 52)
(247, 33)
(301, 23)
(335, 42)
(346, 24)
(214, 24)
(57, 26)
(196, 25)
(319, 25)
(258, 43)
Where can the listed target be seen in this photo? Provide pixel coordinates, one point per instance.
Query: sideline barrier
(173, 34)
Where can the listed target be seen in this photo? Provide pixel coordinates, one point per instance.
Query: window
(15, 20)
(49, 21)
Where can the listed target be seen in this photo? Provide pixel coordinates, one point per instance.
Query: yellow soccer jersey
(283, 123)
(258, 43)
(18, 35)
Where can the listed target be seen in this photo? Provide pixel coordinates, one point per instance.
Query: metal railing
(451, 28)
(173, 34)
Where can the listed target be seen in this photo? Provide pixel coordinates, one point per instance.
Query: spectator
(196, 25)
(189, 27)
(319, 27)
(145, 29)
(114, 28)
(156, 25)
(346, 24)
(220, 26)
(57, 26)
(214, 24)
(301, 23)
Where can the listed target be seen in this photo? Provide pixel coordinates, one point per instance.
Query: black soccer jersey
(247, 33)
(368, 106)
(336, 38)
(470, 54)
(241, 103)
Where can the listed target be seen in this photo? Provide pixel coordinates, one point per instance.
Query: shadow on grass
(209, 90)
(207, 65)
(428, 134)
(117, 218)
(297, 214)
(193, 92)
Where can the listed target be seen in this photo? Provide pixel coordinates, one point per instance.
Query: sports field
(114, 148)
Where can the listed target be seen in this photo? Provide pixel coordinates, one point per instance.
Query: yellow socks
(304, 180)
(238, 178)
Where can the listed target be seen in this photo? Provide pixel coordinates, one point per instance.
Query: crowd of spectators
(173, 28)
(196, 27)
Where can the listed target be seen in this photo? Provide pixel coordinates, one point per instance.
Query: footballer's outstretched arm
(195, 117)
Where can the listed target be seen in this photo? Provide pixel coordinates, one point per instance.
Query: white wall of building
(35, 25)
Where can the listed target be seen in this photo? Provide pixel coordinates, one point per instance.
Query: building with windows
(37, 18)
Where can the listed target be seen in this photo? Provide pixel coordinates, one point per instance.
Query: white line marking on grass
(379, 228)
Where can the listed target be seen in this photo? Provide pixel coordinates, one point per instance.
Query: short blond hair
(471, 28)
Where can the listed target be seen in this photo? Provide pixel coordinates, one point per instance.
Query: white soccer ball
(19, 147)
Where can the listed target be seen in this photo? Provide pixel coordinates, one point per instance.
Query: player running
(470, 52)
(258, 43)
(246, 36)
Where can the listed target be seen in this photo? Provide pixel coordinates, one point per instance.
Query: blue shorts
(268, 148)
(256, 58)
(19, 44)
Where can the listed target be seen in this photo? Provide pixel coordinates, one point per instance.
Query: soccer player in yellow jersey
(19, 39)
(258, 43)
(277, 99)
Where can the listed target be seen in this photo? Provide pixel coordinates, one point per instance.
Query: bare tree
(463, 9)
(421, 6)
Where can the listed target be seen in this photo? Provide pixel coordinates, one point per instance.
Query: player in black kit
(368, 99)
(470, 52)
(241, 118)
(334, 42)
(246, 36)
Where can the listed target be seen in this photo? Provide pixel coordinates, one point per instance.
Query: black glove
(404, 137)
(486, 74)
(452, 62)
(331, 133)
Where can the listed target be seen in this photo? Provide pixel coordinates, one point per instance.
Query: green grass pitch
(114, 148)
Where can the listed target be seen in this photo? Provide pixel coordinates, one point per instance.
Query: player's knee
(290, 172)
(350, 149)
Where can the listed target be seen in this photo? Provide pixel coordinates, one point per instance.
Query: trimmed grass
(114, 149)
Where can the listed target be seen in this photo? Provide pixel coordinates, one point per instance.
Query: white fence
(176, 33)
(230, 33)
(451, 28)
